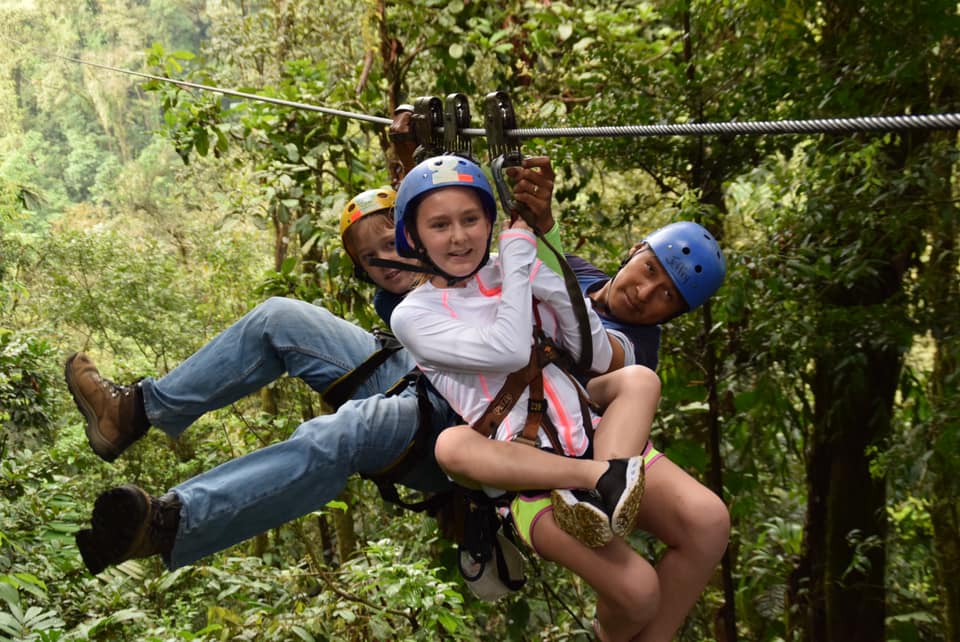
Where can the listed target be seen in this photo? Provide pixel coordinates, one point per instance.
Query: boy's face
(641, 292)
(372, 237)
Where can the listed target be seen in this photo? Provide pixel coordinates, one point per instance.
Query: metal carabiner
(511, 206)
(456, 118)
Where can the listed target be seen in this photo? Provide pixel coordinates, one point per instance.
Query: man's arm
(533, 186)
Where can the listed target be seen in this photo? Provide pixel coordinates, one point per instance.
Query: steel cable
(731, 128)
(734, 128)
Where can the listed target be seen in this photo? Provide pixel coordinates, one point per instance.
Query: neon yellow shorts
(528, 509)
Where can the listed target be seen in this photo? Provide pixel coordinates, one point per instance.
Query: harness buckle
(519, 438)
(536, 406)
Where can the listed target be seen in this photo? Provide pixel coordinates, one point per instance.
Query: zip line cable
(237, 94)
(732, 128)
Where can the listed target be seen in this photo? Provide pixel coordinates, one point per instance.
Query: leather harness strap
(544, 352)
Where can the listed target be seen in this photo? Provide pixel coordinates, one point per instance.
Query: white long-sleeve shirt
(468, 339)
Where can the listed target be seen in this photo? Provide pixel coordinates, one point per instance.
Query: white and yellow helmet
(371, 201)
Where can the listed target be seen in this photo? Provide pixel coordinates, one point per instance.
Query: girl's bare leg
(690, 519)
(630, 397)
(465, 454)
(695, 525)
(626, 585)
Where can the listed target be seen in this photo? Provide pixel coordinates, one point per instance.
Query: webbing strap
(515, 208)
(344, 388)
(544, 352)
(517, 381)
(416, 453)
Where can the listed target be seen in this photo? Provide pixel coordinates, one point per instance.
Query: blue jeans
(273, 485)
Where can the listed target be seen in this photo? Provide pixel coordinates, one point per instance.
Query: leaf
(303, 634)
(447, 622)
(455, 50)
(9, 594)
(565, 31)
(201, 140)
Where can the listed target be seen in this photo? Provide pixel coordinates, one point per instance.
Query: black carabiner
(504, 151)
(511, 206)
(456, 118)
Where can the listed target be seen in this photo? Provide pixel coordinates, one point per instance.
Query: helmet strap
(427, 267)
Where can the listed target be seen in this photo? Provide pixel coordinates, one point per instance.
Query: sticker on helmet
(446, 172)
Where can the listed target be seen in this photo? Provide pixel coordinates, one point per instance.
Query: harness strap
(344, 388)
(544, 352)
(387, 478)
(517, 381)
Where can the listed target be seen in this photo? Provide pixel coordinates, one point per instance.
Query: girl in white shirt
(468, 325)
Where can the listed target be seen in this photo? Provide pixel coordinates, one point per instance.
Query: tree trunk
(944, 297)
(846, 518)
(343, 525)
(708, 171)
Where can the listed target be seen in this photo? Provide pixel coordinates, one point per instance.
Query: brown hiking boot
(115, 414)
(128, 524)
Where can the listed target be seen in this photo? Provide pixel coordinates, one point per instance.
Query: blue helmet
(692, 258)
(431, 174)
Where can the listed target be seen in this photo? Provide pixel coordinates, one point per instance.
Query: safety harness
(505, 152)
(470, 517)
(465, 516)
(543, 353)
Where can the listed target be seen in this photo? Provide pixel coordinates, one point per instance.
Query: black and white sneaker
(581, 513)
(594, 517)
(621, 489)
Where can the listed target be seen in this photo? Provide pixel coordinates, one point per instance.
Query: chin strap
(426, 267)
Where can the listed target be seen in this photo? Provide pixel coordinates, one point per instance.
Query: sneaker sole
(100, 445)
(625, 513)
(589, 525)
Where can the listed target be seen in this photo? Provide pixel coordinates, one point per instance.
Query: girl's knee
(643, 380)
(709, 518)
(637, 597)
(634, 381)
(450, 448)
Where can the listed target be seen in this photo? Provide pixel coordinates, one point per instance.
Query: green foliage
(110, 242)
(25, 391)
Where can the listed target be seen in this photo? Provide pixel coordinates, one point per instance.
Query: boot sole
(100, 445)
(625, 513)
(91, 550)
(120, 519)
(587, 523)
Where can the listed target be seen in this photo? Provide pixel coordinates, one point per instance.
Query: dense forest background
(818, 393)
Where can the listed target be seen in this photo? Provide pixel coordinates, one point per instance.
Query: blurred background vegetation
(818, 393)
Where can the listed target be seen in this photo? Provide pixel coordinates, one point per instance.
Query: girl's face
(453, 229)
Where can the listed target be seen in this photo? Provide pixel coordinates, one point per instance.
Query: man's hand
(404, 143)
(533, 186)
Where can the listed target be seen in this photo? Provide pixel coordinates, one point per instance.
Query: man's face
(372, 238)
(641, 292)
